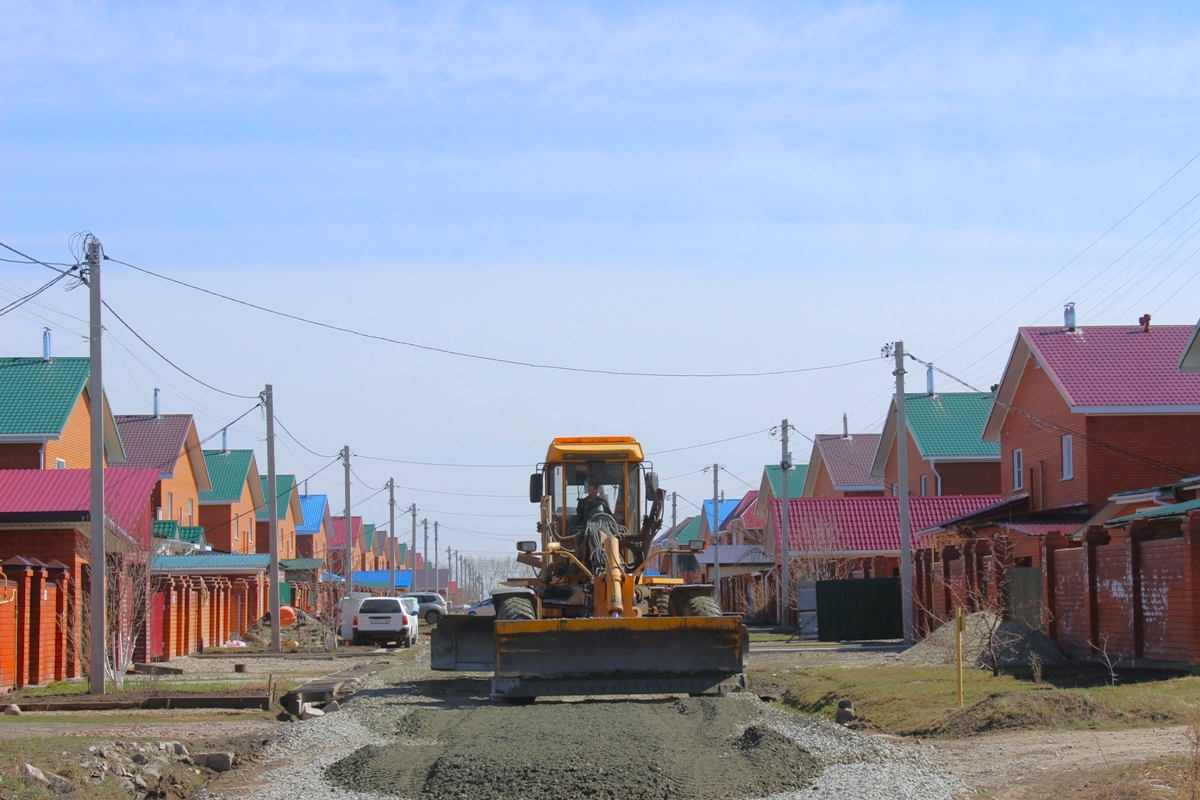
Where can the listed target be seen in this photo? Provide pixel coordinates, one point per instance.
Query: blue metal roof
(380, 578)
(313, 506)
(727, 507)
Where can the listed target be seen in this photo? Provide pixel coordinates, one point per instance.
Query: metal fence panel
(806, 609)
(1024, 596)
(859, 609)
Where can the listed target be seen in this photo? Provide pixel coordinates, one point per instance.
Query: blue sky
(653, 187)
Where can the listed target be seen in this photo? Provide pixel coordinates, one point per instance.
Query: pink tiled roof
(63, 493)
(338, 537)
(845, 524)
(743, 507)
(1117, 365)
(751, 519)
(849, 459)
(153, 443)
(1041, 528)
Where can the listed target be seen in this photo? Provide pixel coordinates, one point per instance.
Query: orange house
(287, 503)
(46, 415)
(311, 537)
(168, 443)
(227, 512)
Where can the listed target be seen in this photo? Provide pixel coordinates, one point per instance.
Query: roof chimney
(45, 344)
(1144, 321)
(224, 440)
(1069, 316)
(929, 380)
(845, 426)
(156, 402)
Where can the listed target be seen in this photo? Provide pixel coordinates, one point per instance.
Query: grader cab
(594, 620)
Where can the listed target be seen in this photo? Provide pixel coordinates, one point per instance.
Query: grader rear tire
(515, 608)
(663, 604)
(702, 607)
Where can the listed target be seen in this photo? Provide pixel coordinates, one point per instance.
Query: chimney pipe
(1069, 316)
(156, 402)
(225, 442)
(929, 380)
(45, 344)
(845, 426)
(1144, 321)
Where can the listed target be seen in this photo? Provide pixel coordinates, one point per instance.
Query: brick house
(227, 512)
(946, 452)
(335, 553)
(312, 536)
(46, 415)
(366, 560)
(45, 534)
(840, 466)
(287, 505)
(168, 443)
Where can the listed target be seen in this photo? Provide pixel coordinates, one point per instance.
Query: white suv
(411, 606)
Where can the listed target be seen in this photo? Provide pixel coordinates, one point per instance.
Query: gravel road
(414, 733)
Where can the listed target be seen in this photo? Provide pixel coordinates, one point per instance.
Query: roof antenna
(929, 379)
(45, 344)
(306, 487)
(1069, 316)
(156, 402)
(845, 426)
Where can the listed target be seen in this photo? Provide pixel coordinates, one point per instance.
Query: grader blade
(643, 655)
(463, 644)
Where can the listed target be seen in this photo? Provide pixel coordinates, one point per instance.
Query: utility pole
(716, 534)
(95, 254)
(425, 557)
(906, 597)
(674, 498)
(437, 582)
(392, 528)
(412, 553)
(348, 561)
(449, 570)
(268, 397)
(785, 570)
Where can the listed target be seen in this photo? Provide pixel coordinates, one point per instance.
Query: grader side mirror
(651, 484)
(535, 487)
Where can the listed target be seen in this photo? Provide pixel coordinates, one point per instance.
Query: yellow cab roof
(594, 448)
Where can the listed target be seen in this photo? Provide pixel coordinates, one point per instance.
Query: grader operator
(592, 620)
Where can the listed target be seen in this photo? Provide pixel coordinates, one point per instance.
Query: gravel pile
(1013, 644)
(422, 735)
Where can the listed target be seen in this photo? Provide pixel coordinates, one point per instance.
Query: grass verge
(922, 701)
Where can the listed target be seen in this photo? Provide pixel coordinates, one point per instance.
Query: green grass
(922, 701)
(144, 686)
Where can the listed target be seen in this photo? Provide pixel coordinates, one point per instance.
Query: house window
(1068, 457)
(237, 528)
(60, 463)
(191, 511)
(1018, 470)
(924, 485)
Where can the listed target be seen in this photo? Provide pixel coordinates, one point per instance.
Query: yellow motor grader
(592, 620)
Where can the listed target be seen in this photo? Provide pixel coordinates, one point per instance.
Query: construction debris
(986, 636)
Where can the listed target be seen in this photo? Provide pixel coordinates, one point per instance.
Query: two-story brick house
(840, 466)
(228, 510)
(313, 535)
(947, 454)
(291, 514)
(170, 444)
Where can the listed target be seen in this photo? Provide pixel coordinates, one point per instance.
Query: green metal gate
(859, 609)
(1023, 595)
(285, 593)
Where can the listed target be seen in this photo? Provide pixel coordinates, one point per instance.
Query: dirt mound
(307, 632)
(1012, 644)
(702, 748)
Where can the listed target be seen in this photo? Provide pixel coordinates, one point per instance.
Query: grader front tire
(515, 608)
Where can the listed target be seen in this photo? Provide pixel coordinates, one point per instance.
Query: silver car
(484, 608)
(431, 604)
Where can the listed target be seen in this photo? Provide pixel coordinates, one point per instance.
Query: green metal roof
(228, 470)
(950, 424)
(165, 529)
(688, 531)
(192, 533)
(37, 396)
(368, 536)
(285, 484)
(1160, 512)
(297, 564)
(796, 477)
(213, 561)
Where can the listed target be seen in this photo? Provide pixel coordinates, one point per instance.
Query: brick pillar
(1139, 532)
(167, 585)
(1052, 543)
(1093, 537)
(60, 576)
(1191, 582)
(37, 632)
(20, 574)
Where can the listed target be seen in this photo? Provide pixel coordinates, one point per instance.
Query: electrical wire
(230, 424)
(441, 464)
(303, 446)
(32, 260)
(477, 356)
(158, 353)
(706, 444)
(20, 301)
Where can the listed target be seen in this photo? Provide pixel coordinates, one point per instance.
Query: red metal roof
(1117, 365)
(849, 458)
(68, 491)
(845, 524)
(750, 517)
(337, 538)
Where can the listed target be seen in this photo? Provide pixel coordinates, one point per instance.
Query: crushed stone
(1013, 643)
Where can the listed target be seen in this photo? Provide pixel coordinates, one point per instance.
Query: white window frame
(1068, 457)
(237, 526)
(60, 463)
(1018, 457)
(924, 485)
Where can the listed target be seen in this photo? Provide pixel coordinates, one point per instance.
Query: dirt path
(1016, 765)
(173, 725)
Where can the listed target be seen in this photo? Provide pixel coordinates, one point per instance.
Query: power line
(20, 301)
(476, 356)
(439, 463)
(32, 260)
(706, 444)
(156, 352)
(303, 446)
(232, 423)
